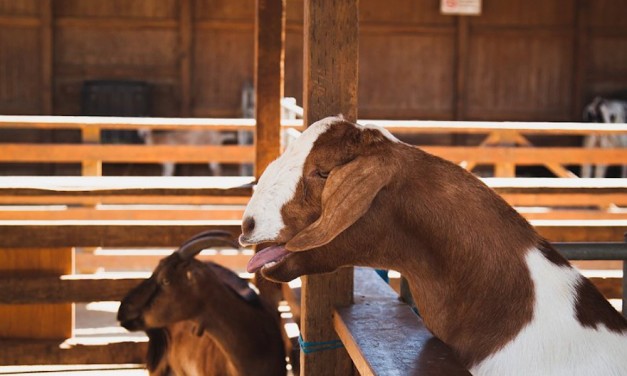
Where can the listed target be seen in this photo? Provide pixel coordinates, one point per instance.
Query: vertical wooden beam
(185, 56)
(580, 55)
(461, 68)
(46, 37)
(269, 76)
(331, 52)
(91, 135)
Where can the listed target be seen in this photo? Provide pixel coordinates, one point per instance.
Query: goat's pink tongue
(266, 255)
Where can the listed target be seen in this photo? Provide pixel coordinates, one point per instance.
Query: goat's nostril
(248, 225)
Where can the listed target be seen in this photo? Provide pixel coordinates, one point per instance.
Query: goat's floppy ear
(347, 195)
(235, 283)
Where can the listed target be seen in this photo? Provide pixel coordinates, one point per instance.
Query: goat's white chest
(554, 342)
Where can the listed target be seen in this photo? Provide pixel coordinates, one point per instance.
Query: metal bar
(593, 251)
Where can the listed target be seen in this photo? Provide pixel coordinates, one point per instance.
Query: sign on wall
(461, 7)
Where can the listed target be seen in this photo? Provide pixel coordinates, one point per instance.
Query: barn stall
(572, 51)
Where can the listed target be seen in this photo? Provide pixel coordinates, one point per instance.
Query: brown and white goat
(483, 279)
(202, 319)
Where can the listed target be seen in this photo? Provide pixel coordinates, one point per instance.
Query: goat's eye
(322, 174)
(165, 281)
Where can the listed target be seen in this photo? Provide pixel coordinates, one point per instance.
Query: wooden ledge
(53, 234)
(125, 186)
(384, 337)
(35, 352)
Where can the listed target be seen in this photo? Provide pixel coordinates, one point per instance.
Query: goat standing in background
(602, 110)
(202, 319)
(485, 282)
(151, 137)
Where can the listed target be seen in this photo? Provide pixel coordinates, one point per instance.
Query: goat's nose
(248, 225)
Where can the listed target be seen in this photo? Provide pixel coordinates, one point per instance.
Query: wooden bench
(383, 336)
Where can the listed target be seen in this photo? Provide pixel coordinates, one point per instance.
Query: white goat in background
(602, 110)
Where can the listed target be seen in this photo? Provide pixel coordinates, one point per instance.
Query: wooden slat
(125, 186)
(384, 337)
(581, 230)
(576, 199)
(529, 155)
(67, 153)
(90, 261)
(155, 213)
(43, 321)
(395, 126)
(20, 352)
(33, 290)
(124, 200)
(25, 234)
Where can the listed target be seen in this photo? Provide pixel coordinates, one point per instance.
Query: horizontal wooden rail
(396, 126)
(528, 155)
(76, 153)
(68, 153)
(71, 289)
(384, 337)
(52, 234)
(127, 212)
(20, 352)
(125, 186)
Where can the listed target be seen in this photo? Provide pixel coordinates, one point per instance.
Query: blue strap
(312, 347)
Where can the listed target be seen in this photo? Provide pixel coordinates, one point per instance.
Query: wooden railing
(505, 145)
(57, 214)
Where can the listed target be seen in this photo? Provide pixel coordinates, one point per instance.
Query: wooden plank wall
(519, 60)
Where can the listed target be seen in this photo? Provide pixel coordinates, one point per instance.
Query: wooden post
(269, 57)
(185, 56)
(269, 76)
(91, 135)
(37, 321)
(330, 87)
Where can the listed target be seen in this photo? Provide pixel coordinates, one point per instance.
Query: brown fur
(228, 330)
(391, 205)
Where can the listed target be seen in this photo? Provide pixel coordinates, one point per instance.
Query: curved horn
(205, 240)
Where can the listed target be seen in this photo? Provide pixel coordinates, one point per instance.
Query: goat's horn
(205, 240)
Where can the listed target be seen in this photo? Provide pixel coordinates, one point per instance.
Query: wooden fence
(51, 216)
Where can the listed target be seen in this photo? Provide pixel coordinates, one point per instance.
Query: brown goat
(202, 319)
(484, 281)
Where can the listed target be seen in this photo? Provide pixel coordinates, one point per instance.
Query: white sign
(463, 7)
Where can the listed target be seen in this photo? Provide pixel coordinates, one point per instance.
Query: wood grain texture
(25, 234)
(20, 352)
(269, 76)
(37, 290)
(331, 54)
(42, 321)
(384, 337)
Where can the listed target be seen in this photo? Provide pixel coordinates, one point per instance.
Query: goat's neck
(244, 333)
(462, 250)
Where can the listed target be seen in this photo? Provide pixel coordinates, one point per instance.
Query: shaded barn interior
(518, 60)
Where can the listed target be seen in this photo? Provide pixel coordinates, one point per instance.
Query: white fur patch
(383, 131)
(554, 342)
(278, 184)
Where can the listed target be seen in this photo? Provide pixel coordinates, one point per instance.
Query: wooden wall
(519, 60)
